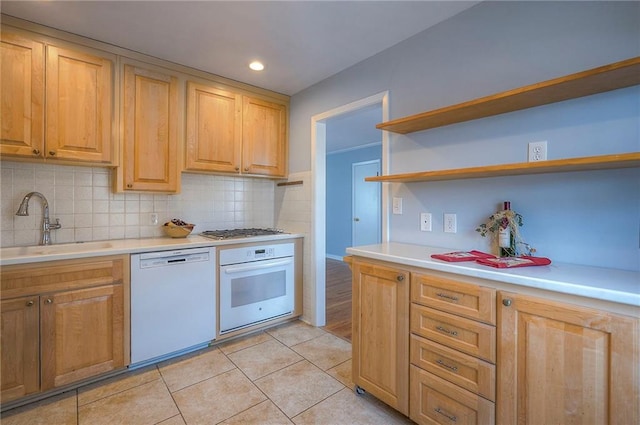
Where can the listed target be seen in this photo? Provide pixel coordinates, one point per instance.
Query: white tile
(83, 220)
(83, 234)
(132, 232)
(100, 233)
(100, 220)
(83, 178)
(116, 219)
(116, 232)
(100, 193)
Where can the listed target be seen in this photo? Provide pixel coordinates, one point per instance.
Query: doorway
(317, 264)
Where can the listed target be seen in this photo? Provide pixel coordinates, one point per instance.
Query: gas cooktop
(239, 233)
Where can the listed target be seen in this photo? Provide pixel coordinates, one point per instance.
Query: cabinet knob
(52, 153)
(29, 303)
(129, 185)
(356, 219)
(48, 301)
(36, 151)
(246, 168)
(237, 168)
(400, 278)
(506, 302)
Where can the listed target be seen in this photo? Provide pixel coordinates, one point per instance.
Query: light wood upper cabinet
(264, 149)
(560, 363)
(79, 106)
(150, 122)
(233, 133)
(380, 343)
(214, 129)
(22, 96)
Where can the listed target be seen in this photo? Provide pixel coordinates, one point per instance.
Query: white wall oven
(256, 284)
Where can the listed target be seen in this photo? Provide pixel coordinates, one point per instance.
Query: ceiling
(300, 42)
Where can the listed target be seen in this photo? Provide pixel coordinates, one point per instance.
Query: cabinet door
(264, 138)
(79, 106)
(380, 342)
(565, 364)
(22, 96)
(20, 342)
(150, 130)
(214, 129)
(81, 334)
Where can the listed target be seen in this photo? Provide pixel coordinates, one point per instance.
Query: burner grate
(239, 233)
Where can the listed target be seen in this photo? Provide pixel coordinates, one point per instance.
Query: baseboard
(334, 257)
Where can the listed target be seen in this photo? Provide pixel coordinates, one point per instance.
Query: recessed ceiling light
(256, 66)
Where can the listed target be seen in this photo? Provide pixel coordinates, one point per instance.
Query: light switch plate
(425, 222)
(397, 205)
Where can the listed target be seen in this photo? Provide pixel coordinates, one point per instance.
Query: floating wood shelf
(597, 80)
(626, 160)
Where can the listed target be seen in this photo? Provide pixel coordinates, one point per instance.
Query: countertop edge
(558, 277)
(36, 254)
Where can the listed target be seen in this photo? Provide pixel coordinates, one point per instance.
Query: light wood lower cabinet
(20, 347)
(437, 401)
(482, 356)
(62, 322)
(380, 343)
(567, 364)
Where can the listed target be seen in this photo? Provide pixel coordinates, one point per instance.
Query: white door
(367, 225)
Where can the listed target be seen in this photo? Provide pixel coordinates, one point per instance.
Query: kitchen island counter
(38, 253)
(598, 283)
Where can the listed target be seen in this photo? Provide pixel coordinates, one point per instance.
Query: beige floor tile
(325, 351)
(342, 373)
(128, 380)
(346, 407)
(145, 404)
(293, 333)
(194, 369)
(176, 420)
(298, 387)
(244, 342)
(265, 358)
(217, 398)
(59, 410)
(265, 413)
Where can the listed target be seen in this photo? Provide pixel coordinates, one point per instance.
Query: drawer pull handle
(443, 364)
(443, 413)
(447, 331)
(448, 297)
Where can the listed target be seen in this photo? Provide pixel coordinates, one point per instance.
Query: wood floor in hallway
(338, 298)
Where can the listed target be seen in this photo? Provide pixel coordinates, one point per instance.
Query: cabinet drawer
(474, 338)
(466, 371)
(464, 299)
(52, 276)
(436, 401)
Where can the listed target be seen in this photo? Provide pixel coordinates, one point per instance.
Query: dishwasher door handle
(258, 265)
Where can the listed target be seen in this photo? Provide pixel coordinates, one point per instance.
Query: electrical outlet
(397, 205)
(425, 222)
(450, 225)
(537, 151)
(153, 219)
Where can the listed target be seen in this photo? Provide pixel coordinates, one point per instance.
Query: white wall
(587, 217)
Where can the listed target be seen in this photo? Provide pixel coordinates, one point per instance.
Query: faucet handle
(56, 226)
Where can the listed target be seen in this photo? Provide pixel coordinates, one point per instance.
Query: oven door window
(255, 292)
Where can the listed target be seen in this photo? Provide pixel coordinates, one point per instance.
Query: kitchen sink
(55, 249)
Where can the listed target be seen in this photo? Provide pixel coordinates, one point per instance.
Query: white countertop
(620, 286)
(33, 254)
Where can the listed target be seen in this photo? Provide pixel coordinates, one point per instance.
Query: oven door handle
(259, 265)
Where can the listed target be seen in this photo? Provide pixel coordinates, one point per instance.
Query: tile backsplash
(82, 198)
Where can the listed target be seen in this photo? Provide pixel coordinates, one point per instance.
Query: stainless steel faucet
(23, 210)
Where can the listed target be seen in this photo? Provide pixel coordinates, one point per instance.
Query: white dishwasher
(173, 303)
